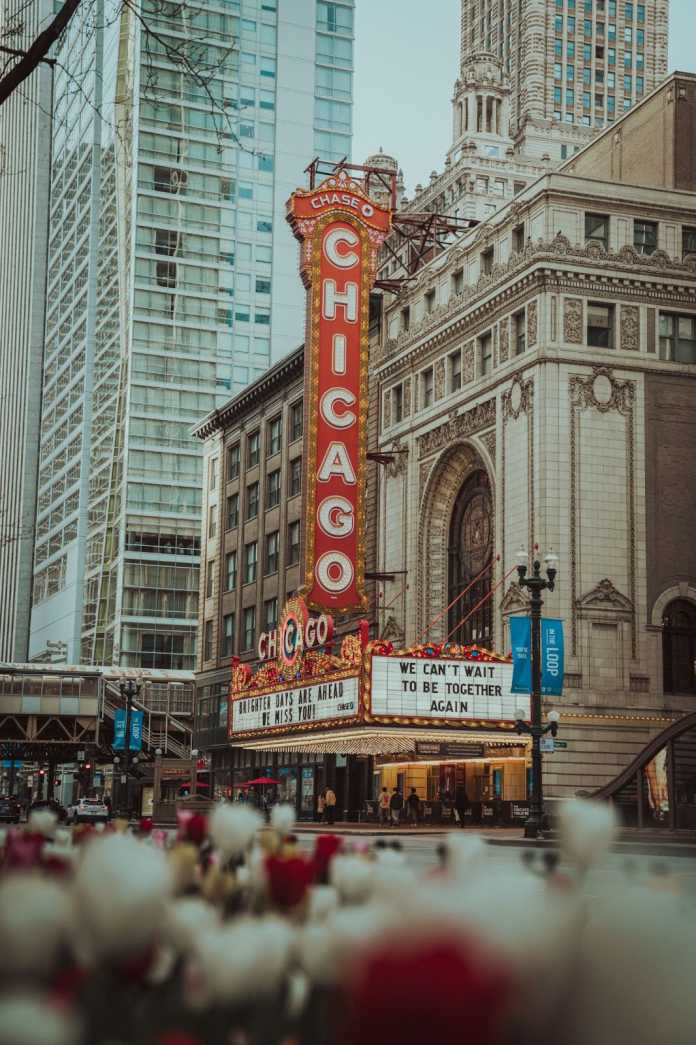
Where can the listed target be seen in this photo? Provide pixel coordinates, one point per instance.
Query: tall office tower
(172, 284)
(24, 179)
(571, 63)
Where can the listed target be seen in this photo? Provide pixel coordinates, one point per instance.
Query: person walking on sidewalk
(321, 805)
(413, 804)
(330, 802)
(384, 806)
(396, 804)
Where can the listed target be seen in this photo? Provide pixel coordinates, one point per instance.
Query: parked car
(52, 804)
(9, 809)
(88, 810)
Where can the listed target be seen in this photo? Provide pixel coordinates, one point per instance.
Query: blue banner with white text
(552, 651)
(136, 730)
(521, 641)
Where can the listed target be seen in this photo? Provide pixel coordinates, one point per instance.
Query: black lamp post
(536, 584)
(129, 691)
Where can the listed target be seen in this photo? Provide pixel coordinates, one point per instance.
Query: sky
(406, 62)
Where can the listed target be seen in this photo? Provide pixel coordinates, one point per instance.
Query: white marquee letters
(342, 261)
(334, 572)
(347, 418)
(336, 462)
(332, 300)
(335, 516)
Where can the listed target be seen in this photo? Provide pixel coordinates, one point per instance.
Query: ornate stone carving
(387, 408)
(630, 328)
(605, 596)
(602, 391)
(572, 320)
(407, 397)
(517, 399)
(480, 416)
(423, 473)
(469, 364)
(515, 599)
(488, 440)
(650, 330)
(393, 632)
(439, 378)
(532, 323)
(504, 339)
(400, 463)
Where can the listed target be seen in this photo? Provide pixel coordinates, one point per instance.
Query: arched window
(679, 647)
(470, 551)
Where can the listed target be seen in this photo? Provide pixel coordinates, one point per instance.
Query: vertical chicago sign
(340, 230)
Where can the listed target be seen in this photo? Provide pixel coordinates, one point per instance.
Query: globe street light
(536, 584)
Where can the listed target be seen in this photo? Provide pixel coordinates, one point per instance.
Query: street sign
(547, 744)
(136, 730)
(561, 743)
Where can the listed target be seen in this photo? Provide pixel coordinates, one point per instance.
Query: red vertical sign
(341, 230)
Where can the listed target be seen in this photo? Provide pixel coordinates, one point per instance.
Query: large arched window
(679, 647)
(470, 551)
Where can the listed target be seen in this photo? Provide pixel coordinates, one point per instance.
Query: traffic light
(87, 766)
(42, 772)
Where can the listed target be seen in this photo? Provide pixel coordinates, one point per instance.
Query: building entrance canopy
(373, 699)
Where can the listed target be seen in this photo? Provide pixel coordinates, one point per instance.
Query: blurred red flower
(432, 990)
(288, 880)
(325, 849)
(193, 827)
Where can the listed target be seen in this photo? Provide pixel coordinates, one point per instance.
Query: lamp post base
(533, 827)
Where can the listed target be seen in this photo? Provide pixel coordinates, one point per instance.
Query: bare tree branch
(38, 51)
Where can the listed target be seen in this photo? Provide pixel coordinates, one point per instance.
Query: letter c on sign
(328, 409)
(334, 572)
(342, 261)
(335, 516)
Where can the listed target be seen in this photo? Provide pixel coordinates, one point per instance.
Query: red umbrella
(261, 781)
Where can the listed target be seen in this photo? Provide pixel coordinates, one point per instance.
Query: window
(679, 647)
(272, 552)
(227, 649)
(518, 239)
(270, 614)
(645, 236)
(212, 520)
(519, 186)
(212, 473)
(295, 477)
(273, 489)
(597, 229)
(208, 640)
(252, 501)
(677, 338)
(405, 318)
(233, 458)
(250, 560)
(427, 387)
(458, 281)
(600, 325)
(688, 240)
(293, 543)
(397, 394)
(253, 449)
(455, 370)
(232, 511)
(274, 433)
(485, 354)
(230, 571)
(519, 332)
(487, 261)
(209, 575)
(296, 419)
(429, 301)
(249, 636)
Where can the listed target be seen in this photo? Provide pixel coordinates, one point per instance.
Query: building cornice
(290, 367)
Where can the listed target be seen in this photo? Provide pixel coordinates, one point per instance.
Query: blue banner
(136, 730)
(551, 657)
(521, 641)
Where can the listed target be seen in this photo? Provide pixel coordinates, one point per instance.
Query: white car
(88, 810)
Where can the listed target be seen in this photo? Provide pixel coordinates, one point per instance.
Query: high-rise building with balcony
(172, 283)
(570, 63)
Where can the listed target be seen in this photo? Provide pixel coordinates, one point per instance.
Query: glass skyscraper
(173, 281)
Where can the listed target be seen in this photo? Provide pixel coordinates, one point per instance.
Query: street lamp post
(535, 583)
(129, 691)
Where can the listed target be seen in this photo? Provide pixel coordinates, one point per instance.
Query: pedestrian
(321, 805)
(107, 803)
(461, 804)
(384, 805)
(396, 804)
(330, 800)
(413, 804)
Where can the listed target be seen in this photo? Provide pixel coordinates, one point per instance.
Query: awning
(377, 740)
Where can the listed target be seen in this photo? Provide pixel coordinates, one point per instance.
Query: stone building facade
(540, 375)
